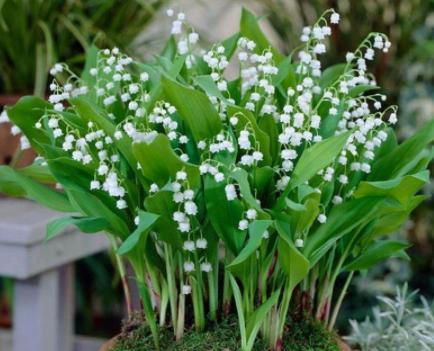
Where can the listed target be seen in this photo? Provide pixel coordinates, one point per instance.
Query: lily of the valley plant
(227, 195)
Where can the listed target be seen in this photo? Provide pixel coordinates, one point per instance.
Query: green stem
(146, 300)
(287, 293)
(181, 317)
(213, 291)
(227, 293)
(340, 300)
(164, 301)
(197, 295)
(121, 268)
(171, 285)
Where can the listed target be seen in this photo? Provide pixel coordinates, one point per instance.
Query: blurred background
(34, 34)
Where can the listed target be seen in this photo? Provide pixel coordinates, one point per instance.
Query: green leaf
(377, 252)
(195, 109)
(90, 62)
(160, 163)
(91, 206)
(85, 224)
(341, 220)
(268, 125)
(230, 45)
(360, 89)
(224, 215)
(246, 117)
(331, 75)
(312, 160)
(169, 50)
(403, 158)
(146, 221)
(294, 264)
(391, 222)
(255, 321)
(286, 74)
(241, 176)
(256, 231)
(25, 113)
(161, 203)
(250, 29)
(15, 184)
(40, 173)
(401, 189)
(207, 84)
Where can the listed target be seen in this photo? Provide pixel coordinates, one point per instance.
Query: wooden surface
(23, 251)
(43, 273)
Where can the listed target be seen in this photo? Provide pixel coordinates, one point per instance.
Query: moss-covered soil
(305, 335)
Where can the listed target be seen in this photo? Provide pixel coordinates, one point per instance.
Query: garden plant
(244, 196)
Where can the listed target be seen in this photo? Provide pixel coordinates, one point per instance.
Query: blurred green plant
(34, 34)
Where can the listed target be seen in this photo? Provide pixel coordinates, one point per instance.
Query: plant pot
(109, 344)
(112, 342)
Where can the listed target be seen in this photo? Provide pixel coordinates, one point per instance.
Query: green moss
(305, 335)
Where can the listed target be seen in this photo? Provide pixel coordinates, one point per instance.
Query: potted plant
(242, 199)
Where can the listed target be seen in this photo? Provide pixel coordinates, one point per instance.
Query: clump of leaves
(397, 324)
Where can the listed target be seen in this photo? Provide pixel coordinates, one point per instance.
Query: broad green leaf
(91, 62)
(308, 215)
(224, 215)
(170, 49)
(241, 176)
(293, 262)
(249, 28)
(91, 206)
(401, 189)
(388, 145)
(312, 160)
(146, 221)
(317, 157)
(15, 184)
(159, 162)
(377, 252)
(256, 232)
(331, 75)
(404, 157)
(268, 125)
(38, 172)
(85, 224)
(230, 45)
(286, 74)
(74, 175)
(195, 109)
(207, 84)
(162, 203)
(246, 118)
(360, 89)
(25, 113)
(341, 220)
(391, 222)
(255, 321)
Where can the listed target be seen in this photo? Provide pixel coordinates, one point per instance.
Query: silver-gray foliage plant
(399, 325)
